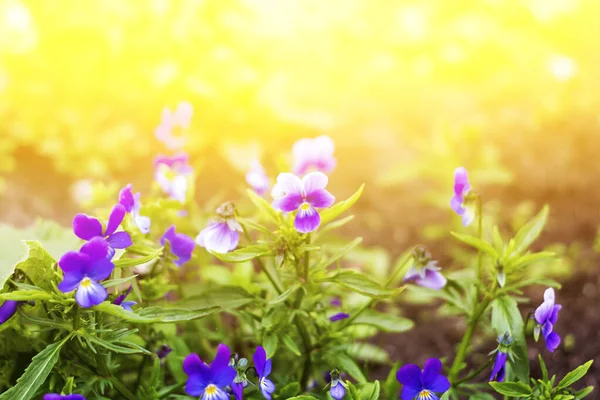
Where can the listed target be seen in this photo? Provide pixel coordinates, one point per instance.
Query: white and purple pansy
(131, 203)
(172, 175)
(87, 228)
(313, 155)
(263, 369)
(120, 300)
(182, 245)
(546, 316)
(84, 269)
(459, 202)
(222, 234)
(257, 178)
(209, 381)
(428, 276)
(172, 120)
(305, 195)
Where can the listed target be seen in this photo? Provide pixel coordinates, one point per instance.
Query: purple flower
(422, 385)
(182, 245)
(305, 195)
(131, 203)
(181, 119)
(257, 178)
(502, 352)
(83, 269)
(56, 396)
(462, 189)
(263, 369)
(163, 351)
(172, 175)
(7, 310)
(237, 388)
(427, 276)
(222, 234)
(336, 302)
(313, 155)
(86, 228)
(209, 381)
(337, 388)
(338, 316)
(546, 316)
(119, 301)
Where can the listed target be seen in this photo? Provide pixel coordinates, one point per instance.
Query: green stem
(138, 381)
(170, 389)
(480, 236)
(306, 342)
(475, 373)
(263, 267)
(121, 388)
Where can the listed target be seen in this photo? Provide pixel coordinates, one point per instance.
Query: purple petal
(257, 178)
(288, 203)
(547, 328)
(259, 358)
(143, 223)
(339, 316)
(468, 216)
(128, 304)
(552, 341)
(7, 310)
(96, 248)
(543, 313)
(193, 365)
(86, 227)
(307, 219)
(410, 393)
(410, 376)
(336, 302)
(70, 282)
(268, 366)
(119, 240)
(320, 198)
(498, 369)
(99, 269)
(222, 357)
(456, 203)
(461, 182)
(337, 390)
(195, 385)
(171, 161)
(439, 384)
(218, 238)
(313, 182)
(554, 315)
(266, 388)
(182, 245)
(287, 185)
(90, 294)
(549, 296)
(433, 280)
(126, 198)
(73, 262)
(238, 390)
(431, 370)
(114, 220)
(222, 376)
(54, 396)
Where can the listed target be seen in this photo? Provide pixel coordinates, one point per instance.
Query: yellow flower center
(305, 206)
(211, 389)
(86, 282)
(425, 395)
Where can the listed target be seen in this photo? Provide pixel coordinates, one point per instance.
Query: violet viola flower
(263, 369)
(339, 316)
(428, 276)
(170, 121)
(132, 205)
(222, 234)
(7, 310)
(209, 381)
(458, 203)
(56, 396)
(163, 351)
(546, 316)
(182, 245)
(119, 301)
(305, 195)
(422, 385)
(172, 175)
(83, 269)
(257, 178)
(86, 228)
(313, 155)
(502, 353)
(337, 388)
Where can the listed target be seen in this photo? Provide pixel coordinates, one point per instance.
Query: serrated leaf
(336, 210)
(476, 243)
(154, 314)
(513, 389)
(530, 231)
(575, 375)
(119, 346)
(244, 254)
(384, 322)
(36, 373)
(362, 284)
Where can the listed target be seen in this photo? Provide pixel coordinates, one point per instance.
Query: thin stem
(300, 325)
(138, 381)
(475, 373)
(121, 388)
(480, 236)
(263, 267)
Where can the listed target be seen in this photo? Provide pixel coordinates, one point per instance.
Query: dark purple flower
(180, 119)
(56, 396)
(336, 302)
(313, 155)
(462, 187)
(238, 390)
(499, 369)
(131, 203)
(427, 276)
(83, 269)
(209, 381)
(263, 369)
(182, 245)
(86, 228)
(546, 316)
(163, 351)
(172, 175)
(422, 385)
(119, 301)
(257, 178)
(338, 316)
(7, 310)
(305, 195)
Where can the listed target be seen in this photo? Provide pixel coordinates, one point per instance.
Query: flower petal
(339, 316)
(119, 240)
(543, 313)
(461, 182)
(314, 181)
(307, 219)
(549, 296)
(222, 376)
(179, 186)
(554, 315)
(320, 198)
(499, 363)
(115, 218)
(73, 262)
(456, 204)
(218, 238)
(286, 184)
(183, 114)
(222, 357)
(268, 366)
(70, 282)
(99, 269)
(238, 390)
(96, 248)
(126, 198)
(432, 280)
(143, 223)
(266, 388)
(90, 295)
(182, 245)
(7, 310)
(431, 370)
(410, 375)
(552, 341)
(259, 358)
(86, 227)
(195, 385)
(193, 365)
(337, 390)
(410, 393)
(439, 384)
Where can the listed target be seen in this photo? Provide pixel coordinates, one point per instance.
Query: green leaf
(289, 390)
(335, 224)
(134, 262)
(256, 226)
(513, 389)
(506, 317)
(117, 282)
(244, 254)
(575, 375)
(391, 386)
(530, 282)
(336, 210)
(36, 373)
(119, 346)
(25, 295)
(526, 259)
(370, 391)
(270, 343)
(543, 368)
(38, 265)
(154, 314)
(303, 397)
(346, 364)
(226, 297)
(476, 243)
(291, 345)
(354, 394)
(384, 322)
(362, 284)
(263, 205)
(338, 255)
(369, 352)
(530, 231)
(284, 296)
(584, 392)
